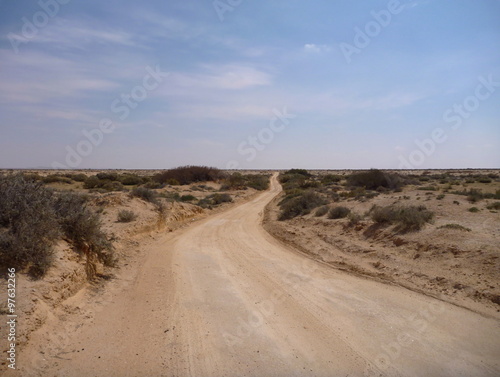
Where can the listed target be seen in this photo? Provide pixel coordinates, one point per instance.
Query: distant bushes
(33, 218)
(238, 181)
(455, 227)
(375, 179)
(406, 218)
(298, 205)
(186, 175)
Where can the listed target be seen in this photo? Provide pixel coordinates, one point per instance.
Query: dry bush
(408, 218)
(126, 216)
(300, 205)
(28, 225)
(338, 212)
(375, 179)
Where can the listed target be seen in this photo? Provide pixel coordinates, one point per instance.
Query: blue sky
(356, 84)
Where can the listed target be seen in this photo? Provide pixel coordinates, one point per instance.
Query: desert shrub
(56, 178)
(354, 218)
(126, 216)
(338, 212)
(428, 188)
(302, 172)
(238, 181)
(440, 197)
(145, 194)
(187, 198)
(186, 175)
(300, 205)
(28, 225)
(220, 198)
(375, 179)
(321, 211)
(79, 177)
(473, 209)
(214, 199)
(406, 218)
(82, 228)
(131, 179)
(484, 180)
(330, 178)
(94, 182)
(292, 181)
(153, 185)
(108, 176)
(455, 227)
(494, 206)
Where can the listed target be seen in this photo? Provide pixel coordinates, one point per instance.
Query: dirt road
(223, 298)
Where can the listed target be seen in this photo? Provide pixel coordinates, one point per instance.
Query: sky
(320, 84)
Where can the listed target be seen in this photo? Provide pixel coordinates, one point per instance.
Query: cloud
(224, 77)
(316, 49)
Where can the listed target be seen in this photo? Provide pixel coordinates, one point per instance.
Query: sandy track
(223, 298)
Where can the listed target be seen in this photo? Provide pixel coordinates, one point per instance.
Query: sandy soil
(461, 267)
(224, 298)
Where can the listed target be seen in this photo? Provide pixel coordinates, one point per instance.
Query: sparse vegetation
(338, 212)
(473, 209)
(494, 206)
(33, 218)
(126, 216)
(145, 194)
(455, 227)
(408, 218)
(186, 175)
(375, 179)
(300, 204)
(321, 211)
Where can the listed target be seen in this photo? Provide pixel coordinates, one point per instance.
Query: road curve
(224, 298)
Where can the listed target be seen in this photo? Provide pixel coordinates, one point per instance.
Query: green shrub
(187, 198)
(126, 216)
(131, 179)
(300, 205)
(338, 212)
(473, 209)
(440, 197)
(321, 211)
(238, 181)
